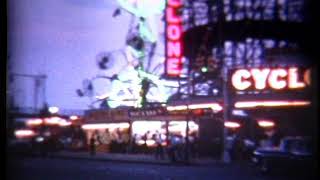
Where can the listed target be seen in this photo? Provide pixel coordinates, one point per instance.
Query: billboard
(133, 75)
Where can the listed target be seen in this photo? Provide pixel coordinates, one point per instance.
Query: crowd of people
(173, 147)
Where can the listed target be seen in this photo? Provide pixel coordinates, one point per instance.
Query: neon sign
(173, 36)
(277, 78)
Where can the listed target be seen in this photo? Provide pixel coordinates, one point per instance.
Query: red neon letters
(173, 36)
(277, 79)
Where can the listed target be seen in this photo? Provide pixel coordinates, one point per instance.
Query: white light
(253, 104)
(265, 123)
(39, 139)
(141, 127)
(175, 108)
(150, 142)
(64, 123)
(52, 120)
(215, 91)
(180, 126)
(213, 106)
(239, 113)
(140, 142)
(231, 124)
(34, 122)
(74, 117)
(238, 79)
(24, 133)
(53, 110)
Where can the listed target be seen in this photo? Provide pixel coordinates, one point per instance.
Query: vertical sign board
(174, 46)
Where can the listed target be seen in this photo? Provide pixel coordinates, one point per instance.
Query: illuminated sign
(147, 112)
(173, 36)
(270, 78)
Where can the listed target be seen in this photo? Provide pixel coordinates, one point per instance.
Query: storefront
(274, 102)
(144, 129)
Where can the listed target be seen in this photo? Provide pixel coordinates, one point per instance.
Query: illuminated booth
(140, 130)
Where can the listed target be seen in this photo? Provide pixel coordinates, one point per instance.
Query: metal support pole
(225, 154)
(187, 122)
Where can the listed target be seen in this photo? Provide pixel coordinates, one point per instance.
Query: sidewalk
(131, 158)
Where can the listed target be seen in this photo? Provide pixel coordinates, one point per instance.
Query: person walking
(159, 148)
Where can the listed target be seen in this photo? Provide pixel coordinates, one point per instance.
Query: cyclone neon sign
(174, 48)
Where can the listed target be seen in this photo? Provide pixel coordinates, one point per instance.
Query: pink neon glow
(171, 17)
(173, 35)
(252, 104)
(34, 122)
(230, 124)
(174, 49)
(24, 133)
(265, 123)
(105, 126)
(174, 32)
(174, 3)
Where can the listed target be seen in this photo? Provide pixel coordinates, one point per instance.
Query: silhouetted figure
(159, 148)
(92, 145)
(172, 149)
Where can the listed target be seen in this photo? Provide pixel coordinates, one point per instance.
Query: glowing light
(34, 122)
(24, 133)
(253, 104)
(237, 79)
(260, 77)
(64, 123)
(74, 117)
(173, 35)
(265, 123)
(140, 142)
(180, 126)
(230, 124)
(105, 126)
(204, 69)
(239, 112)
(52, 120)
(213, 106)
(174, 66)
(175, 108)
(274, 81)
(141, 127)
(293, 79)
(150, 142)
(174, 49)
(53, 110)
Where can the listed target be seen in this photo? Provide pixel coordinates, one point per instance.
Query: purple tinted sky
(61, 38)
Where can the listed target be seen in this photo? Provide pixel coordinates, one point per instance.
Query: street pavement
(52, 168)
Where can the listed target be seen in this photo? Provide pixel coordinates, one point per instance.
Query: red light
(173, 35)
